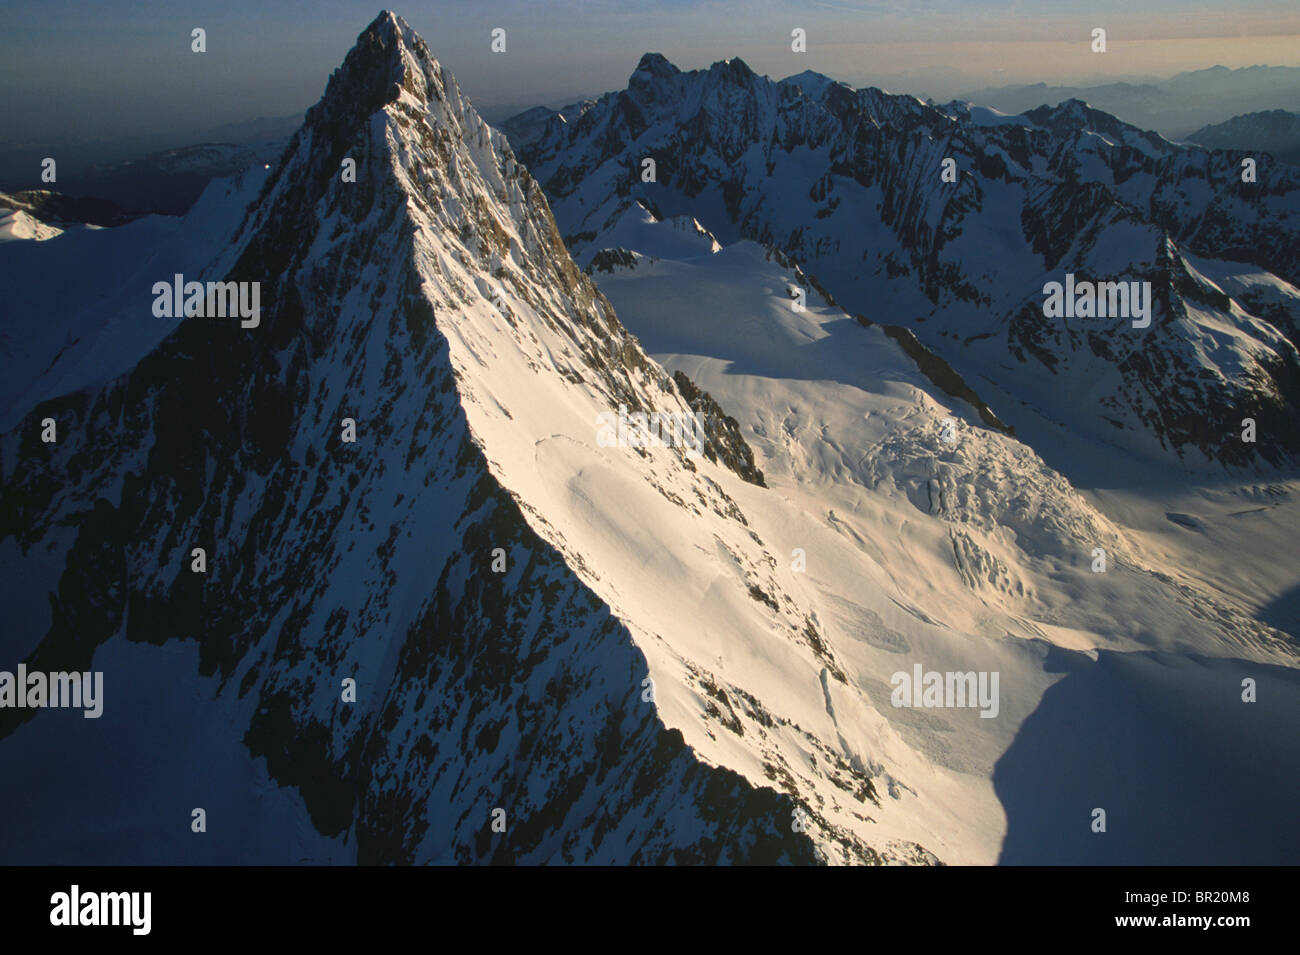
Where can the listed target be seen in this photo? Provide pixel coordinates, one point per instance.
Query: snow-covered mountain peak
(439, 466)
(654, 80)
(1075, 117)
(814, 84)
(655, 66)
(956, 221)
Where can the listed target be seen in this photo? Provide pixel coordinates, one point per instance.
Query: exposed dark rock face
(723, 441)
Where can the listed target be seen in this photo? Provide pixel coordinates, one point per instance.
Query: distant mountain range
(1173, 107)
(1274, 131)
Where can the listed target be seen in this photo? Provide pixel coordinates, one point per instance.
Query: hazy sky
(117, 68)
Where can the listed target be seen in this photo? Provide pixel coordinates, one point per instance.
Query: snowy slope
(978, 555)
(17, 225)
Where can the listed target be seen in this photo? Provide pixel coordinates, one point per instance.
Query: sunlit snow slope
(1120, 690)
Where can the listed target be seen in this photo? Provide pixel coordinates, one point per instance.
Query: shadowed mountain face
(953, 221)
